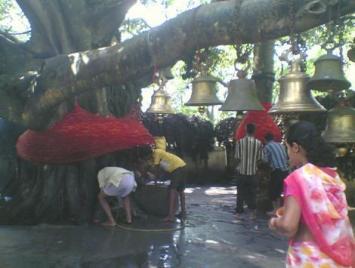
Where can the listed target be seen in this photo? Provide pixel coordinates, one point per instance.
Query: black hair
(318, 152)
(269, 136)
(251, 128)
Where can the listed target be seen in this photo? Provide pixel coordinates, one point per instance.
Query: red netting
(263, 122)
(82, 135)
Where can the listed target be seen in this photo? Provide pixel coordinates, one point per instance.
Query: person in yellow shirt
(174, 166)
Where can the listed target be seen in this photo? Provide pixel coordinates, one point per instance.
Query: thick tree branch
(106, 19)
(65, 26)
(215, 24)
(15, 43)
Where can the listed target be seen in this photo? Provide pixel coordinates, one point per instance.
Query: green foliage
(5, 6)
(13, 21)
(134, 26)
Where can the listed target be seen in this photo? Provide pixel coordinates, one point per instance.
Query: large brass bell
(242, 95)
(160, 103)
(294, 95)
(340, 126)
(203, 91)
(328, 74)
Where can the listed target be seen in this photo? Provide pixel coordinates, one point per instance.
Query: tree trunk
(65, 193)
(264, 70)
(108, 80)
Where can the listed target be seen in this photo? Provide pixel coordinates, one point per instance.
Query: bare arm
(288, 223)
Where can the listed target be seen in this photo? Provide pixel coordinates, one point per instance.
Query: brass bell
(160, 103)
(242, 95)
(341, 151)
(328, 74)
(294, 95)
(340, 126)
(203, 91)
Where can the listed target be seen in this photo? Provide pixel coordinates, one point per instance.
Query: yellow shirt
(167, 161)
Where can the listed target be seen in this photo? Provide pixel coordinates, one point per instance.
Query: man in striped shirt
(276, 157)
(248, 151)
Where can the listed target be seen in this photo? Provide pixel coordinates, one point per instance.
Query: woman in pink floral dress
(315, 212)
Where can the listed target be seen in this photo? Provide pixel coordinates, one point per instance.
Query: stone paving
(211, 237)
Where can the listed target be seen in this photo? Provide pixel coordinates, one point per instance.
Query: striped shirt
(275, 155)
(248, 150)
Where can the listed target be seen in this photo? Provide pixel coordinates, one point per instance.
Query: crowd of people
(314, 215)
(307, 194)
(313, 212)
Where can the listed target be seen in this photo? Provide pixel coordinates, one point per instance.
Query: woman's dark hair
(318, 152)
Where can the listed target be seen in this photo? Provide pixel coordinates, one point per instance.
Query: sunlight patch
(85, 58)
(189, 190)
(280, 250)
(251, 257)
(221, 190)
(212, 242)
(75, 62)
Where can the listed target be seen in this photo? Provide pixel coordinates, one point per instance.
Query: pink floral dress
(320, 194)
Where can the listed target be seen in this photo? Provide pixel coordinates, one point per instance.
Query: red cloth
(82, 135)
(263, 122)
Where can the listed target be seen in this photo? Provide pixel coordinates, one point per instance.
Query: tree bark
(263, 73)
(218, 23)
(110, 78)
(64, 26)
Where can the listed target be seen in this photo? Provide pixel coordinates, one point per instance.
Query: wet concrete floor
(211, 237)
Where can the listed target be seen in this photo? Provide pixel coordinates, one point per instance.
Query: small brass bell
(340, 126)
(160, 103)
(294, 95)
(341, 151)
(328, 74)
(203, 91)
(242, 95)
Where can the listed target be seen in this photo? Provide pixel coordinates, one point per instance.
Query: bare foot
(109, 224)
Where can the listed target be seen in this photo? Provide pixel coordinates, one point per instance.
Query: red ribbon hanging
(82, 135)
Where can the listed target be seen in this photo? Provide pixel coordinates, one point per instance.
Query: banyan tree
(70, 61)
